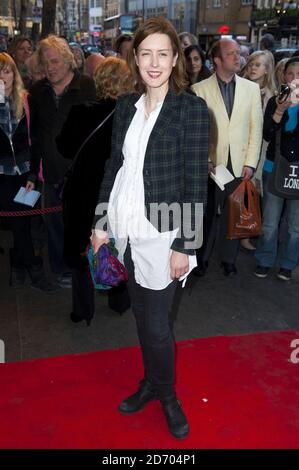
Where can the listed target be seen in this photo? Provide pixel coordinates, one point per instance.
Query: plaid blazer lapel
(166, 115)
(127, 115)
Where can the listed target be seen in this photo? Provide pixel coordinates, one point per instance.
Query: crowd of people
(139, 130)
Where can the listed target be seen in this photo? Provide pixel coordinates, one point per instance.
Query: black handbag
(284, 179)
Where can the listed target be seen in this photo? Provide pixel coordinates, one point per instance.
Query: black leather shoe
(229, 269)
(175, 417)
(76, 319)
(138, 400)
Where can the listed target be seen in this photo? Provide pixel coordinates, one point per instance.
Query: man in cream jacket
(236, 133)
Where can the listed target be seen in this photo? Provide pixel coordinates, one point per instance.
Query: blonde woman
(16, 171)
(260, 69)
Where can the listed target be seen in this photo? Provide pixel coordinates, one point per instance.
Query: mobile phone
(284, 93)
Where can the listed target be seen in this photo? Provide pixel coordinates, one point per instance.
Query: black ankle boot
(175, 417)
(138, 400)
(75, 319)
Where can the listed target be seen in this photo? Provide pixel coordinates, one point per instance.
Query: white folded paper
(28, 198)
(222, 176)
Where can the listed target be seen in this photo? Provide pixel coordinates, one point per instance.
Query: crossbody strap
(89, 137)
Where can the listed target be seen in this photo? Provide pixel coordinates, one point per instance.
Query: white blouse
(151, 250)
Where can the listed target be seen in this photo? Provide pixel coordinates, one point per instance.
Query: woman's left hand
(29, 186)
(179, 264)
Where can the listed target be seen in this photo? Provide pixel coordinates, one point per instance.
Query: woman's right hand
(98, 238)
(282, 107)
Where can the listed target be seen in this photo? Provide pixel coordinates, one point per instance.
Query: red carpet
(238, 392)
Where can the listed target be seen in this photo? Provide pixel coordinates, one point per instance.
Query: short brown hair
(113, 78)
(177, 79)
(216, 51)
(16, 43)
(122, 38)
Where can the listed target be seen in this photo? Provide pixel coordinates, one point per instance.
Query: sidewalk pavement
(34, 324)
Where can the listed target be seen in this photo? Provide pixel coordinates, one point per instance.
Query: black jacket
(18, 150)
(176, 159)
(289, 144)
(47, 120)
(82, 188)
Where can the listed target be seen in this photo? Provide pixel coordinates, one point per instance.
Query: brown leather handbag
(244, 213)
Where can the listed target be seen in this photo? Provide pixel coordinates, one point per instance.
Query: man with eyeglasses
(237, 122)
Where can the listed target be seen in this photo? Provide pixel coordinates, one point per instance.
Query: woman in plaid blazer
(159, 158)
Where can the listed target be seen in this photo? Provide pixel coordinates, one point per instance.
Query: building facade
(72, 19)
(10, 15)
(278, 18)
(223, 17)
(181, 13)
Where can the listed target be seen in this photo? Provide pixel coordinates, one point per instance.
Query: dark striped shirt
(228, 93)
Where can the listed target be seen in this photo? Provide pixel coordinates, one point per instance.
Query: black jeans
(228, 249)
(22, 253)
(152, 313)
(82, 294)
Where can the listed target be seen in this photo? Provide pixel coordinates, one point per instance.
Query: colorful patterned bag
(105, 269)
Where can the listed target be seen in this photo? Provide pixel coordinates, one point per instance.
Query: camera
(284, 93)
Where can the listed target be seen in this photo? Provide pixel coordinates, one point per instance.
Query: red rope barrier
(47, 210)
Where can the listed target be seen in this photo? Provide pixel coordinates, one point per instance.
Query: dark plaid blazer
(176, 160)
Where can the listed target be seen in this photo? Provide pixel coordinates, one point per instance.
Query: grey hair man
(50, 103)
